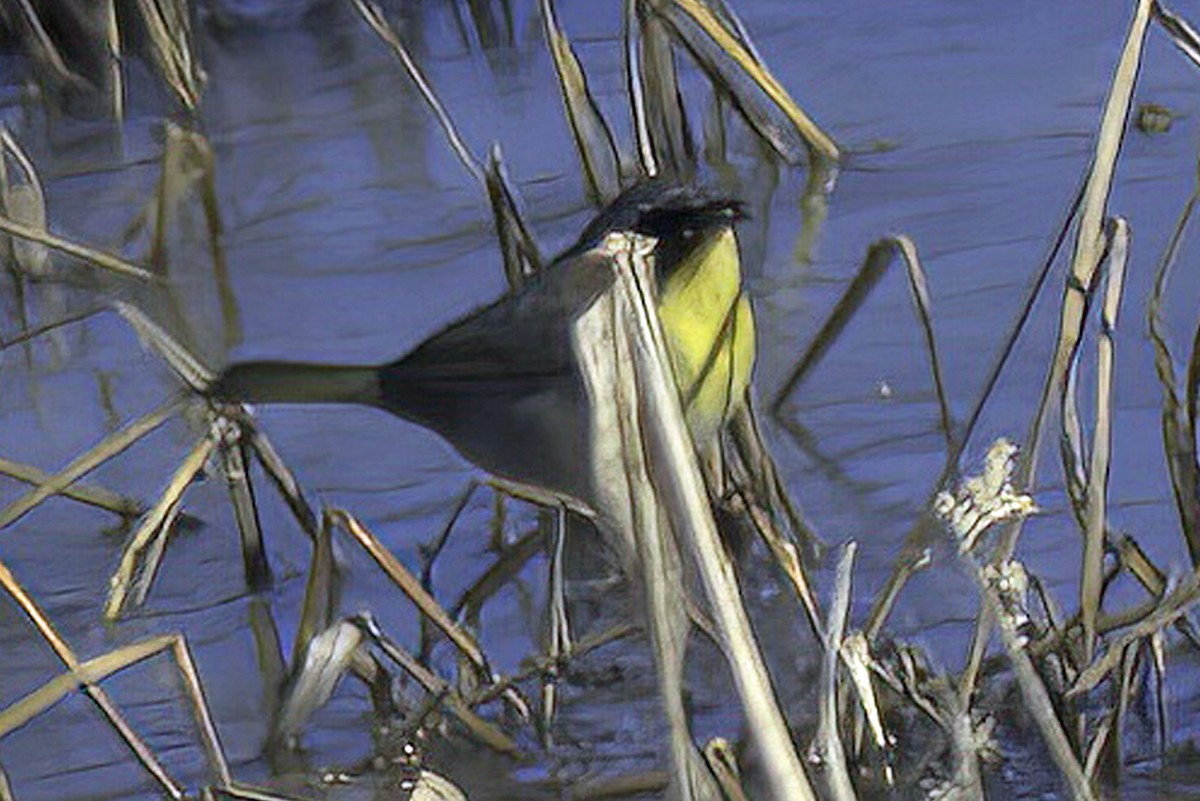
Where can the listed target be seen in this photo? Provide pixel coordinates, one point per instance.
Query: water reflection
(349, 233)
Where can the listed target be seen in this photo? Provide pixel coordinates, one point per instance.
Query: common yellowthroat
(503, 384)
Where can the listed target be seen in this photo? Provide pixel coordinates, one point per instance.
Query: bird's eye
(688, 233)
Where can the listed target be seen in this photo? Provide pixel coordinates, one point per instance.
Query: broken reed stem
(28, 334)
(1092, 573)
(838, 782)
(658, 79)
(92, 671)
(1182, 34)
(561, 641)
(189, 369)
(674, 459)
(646, 526)
(104, 261)
(637, 98)
(1173, 605)
(107, 448)
(915, 555)
(1089, 247)
(995, 584)
(98, 497)
(204, 721)
(154, 528)
(593, 139)
(918, 285)
(112, 41)
(46, 44)
(374, 17)
(318, 607)
(235, 465)
(818, 141)
(878, 258)
(410, 585)
(483, 730)
(94, 691)
(281, 475)
(510, 226)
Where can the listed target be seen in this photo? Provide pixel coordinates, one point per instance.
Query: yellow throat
(709, 327)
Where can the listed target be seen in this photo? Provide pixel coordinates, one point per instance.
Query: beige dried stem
(1089, 243)
(184, 203)
(147, 544)
(411, 586)
(484, 731)
(593, 138)
(319, 607)
(1003, 588)
(112, 41)
(517, 246)
(511, 227)
(659, 101)
(1087, 488)
(537, 665)
(42, 44)
(560, 641)
(94, 671)
(23, 199)
(94, 691)
(97, 258)
(1183, 34)
(112, 445)
(631, 508)
(1089, 248)
(327, 656)
(880, 256)
(169, 28)
(92, 495)
(280, 474)
(235, 466)
(228, 431)
(680, 12)
(722, 761)
(646, 151)
(1092, 573)
(1176, 603)
(1104, 758)
(675, 478)
(828, 739)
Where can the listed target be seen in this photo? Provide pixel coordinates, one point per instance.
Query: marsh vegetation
(944, 547)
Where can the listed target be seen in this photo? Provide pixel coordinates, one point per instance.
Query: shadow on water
(324, 219)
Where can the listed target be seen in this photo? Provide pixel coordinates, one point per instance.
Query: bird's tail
(297, 382)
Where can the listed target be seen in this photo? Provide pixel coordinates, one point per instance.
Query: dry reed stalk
(95, 692)
(96, 496)
(1091, 583)
(152, 534)
(819, 143)
(410, 585)
(833, 753)
(593, 138)
(107, 448)
(672, 459)
(104, 261)
(486, 732)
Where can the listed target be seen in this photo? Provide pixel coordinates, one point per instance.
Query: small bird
(503, 384)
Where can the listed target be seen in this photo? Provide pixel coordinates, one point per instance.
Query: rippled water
(352, 233)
